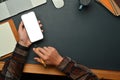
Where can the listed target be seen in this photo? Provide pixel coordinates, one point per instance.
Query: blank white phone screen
(32, 26)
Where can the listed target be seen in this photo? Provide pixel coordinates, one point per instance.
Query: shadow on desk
(29, 76)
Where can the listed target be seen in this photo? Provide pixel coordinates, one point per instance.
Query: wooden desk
(95, 36)
(39, 69)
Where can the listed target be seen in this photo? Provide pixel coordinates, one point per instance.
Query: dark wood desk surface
(39, 69)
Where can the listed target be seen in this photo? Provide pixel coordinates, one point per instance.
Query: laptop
(2, 1)
(10, 8)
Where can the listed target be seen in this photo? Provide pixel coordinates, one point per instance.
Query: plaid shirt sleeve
(14, 66)
(76, 71)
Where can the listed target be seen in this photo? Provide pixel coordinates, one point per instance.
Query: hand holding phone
(32, 26)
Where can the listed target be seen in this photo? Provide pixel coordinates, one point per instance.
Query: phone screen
(32, 26)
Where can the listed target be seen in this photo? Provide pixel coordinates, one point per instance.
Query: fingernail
(34, 58)
(33, 48)
(41, 25)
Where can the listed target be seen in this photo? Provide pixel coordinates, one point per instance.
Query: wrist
(59, 61)
(21, 51)
(25, 44)
(64, 63)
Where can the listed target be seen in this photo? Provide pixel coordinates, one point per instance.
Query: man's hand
(49, 55)
(23, 37)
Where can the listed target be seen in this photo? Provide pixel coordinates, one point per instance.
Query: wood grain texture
(39, 69)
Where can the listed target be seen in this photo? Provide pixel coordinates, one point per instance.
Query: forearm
(76, 71)
(13, 67)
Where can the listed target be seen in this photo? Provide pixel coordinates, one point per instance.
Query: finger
(46, 48)
(41, 25)
(40, 61)
(39, 21)
(36, 50)
(49, 47)
(37, 59)
(42, 30)
(43, 51)
(21, 25)
(43, 62)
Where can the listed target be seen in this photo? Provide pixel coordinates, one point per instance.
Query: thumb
(40, 61)
(37, 59)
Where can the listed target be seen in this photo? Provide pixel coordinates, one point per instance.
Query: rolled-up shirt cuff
(20, 53)
(21, 50)
(63, 63)
(22, 47)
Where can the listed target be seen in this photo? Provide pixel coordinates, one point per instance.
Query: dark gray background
(91, 36)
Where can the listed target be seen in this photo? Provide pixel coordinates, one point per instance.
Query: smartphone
(32, 26)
